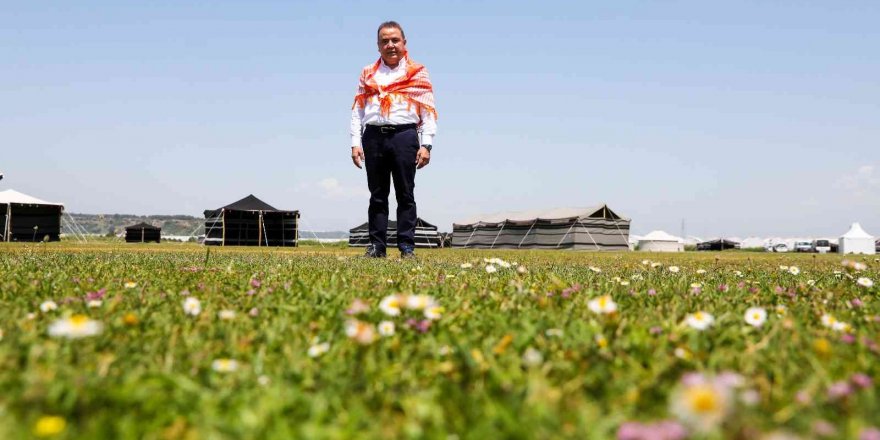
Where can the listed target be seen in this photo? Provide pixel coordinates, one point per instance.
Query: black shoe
(373, 252)
(407, 253)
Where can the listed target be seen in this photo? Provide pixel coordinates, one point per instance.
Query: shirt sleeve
(428, 128)
(357, 118)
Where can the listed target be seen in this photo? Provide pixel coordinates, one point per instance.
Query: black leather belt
(388, 129)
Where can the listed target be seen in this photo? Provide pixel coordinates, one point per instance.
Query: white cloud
(864, 180)
(331, 188)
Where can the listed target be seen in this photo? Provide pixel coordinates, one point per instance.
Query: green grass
(149, 373)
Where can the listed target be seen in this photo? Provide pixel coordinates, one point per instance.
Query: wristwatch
(427, 147)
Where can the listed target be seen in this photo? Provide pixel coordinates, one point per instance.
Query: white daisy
(48, 306)
(532, 357)
(466, 265)
(418, 302)
(595, 269)
(192, 306)
(224, 365)
(226, 315)
(699, 320)
(701, 271)
(130, 284)
(794, 270)
(434, 312)
(77, 326)
(673, 269)
(755, 316)
(865, 282)
(491, 269)
(386, 328)
(318, 349)
(390, 305)
(702, 406)
(603, 305)
(361, 332)
(95, 303)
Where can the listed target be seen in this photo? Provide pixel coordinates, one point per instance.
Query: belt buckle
(384, 129)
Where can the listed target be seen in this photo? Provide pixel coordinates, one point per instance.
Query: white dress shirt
(401, 112)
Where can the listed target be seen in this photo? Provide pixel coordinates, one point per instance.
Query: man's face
(392, 46)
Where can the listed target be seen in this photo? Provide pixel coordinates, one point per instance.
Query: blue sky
(748, 118)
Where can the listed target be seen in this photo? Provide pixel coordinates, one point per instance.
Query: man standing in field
(393, 122)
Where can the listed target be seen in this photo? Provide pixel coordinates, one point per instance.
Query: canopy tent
(142, 233)
(426, 235)
(718, 244)
(595, 228)
(660, 241)
(27, 218)
(856, 241)
(251, 222)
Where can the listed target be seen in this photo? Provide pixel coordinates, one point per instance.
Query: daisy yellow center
(703, 400)
(79, 320)
(698, 316)
(603, 301)
(756, 316)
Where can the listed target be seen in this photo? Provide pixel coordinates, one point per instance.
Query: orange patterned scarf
(414, 86)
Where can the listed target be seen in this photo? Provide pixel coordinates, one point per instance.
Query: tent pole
(576, 221)
(472, 235)
(142, 234)
(504, 223)
(6, 228)
(259, 228)
(296, 231)
(223, 226)
(625, 237)
(527, 233)
(587, 230)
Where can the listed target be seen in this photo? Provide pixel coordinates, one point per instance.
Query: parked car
(820, 246)
(781, 247)
(803, 246)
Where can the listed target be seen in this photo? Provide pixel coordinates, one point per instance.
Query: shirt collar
(401, 64)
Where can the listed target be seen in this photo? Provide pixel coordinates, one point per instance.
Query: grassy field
(170, 341)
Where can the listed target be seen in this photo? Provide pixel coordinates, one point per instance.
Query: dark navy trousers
(390, 155)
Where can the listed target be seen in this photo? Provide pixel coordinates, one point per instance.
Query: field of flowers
(173, 342)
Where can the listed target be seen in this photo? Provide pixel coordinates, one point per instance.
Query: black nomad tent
(251, 222)
(142, 233)
(718, 244)
(426, 235)
(597, 228)
(26, 218)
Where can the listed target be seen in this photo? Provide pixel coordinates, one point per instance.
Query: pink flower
(662, 430)
(847, 338)
(722, 288)
(254, 312)
(839, 389)
(652, 292)
(861, 380)
(255, 283)
(856, 302)
(656, 330)
(870, 433)
(823, 428)
(99, 294)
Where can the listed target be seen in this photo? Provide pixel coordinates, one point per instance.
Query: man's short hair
(390, 24)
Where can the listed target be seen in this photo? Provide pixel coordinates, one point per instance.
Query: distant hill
(104, 224)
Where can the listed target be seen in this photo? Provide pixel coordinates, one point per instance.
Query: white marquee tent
(856, 241)
(660, 241)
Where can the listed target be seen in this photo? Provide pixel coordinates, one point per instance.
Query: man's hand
(422, 158)
(357, 156)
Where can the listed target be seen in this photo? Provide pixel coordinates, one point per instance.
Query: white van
(821, 246)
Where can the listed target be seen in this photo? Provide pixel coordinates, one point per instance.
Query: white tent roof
(532, 215)
(856, 231)
(660, 236)
(13, 196)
